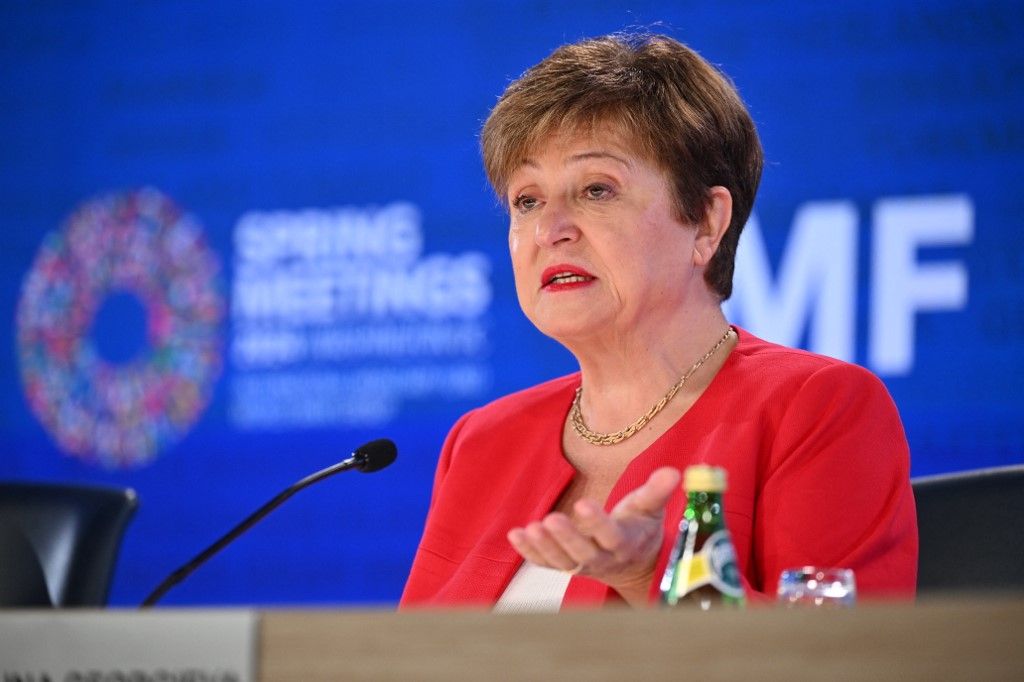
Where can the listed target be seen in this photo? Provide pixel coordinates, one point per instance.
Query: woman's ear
(716, 221)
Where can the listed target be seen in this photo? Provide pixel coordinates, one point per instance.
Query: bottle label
(725, 572)
(715, 565)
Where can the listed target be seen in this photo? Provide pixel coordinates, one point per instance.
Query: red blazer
(818, 470)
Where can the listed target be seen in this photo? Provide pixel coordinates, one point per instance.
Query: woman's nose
(556, 224)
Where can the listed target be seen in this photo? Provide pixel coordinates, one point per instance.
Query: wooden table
(980, 639)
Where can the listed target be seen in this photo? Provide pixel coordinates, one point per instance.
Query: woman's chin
(572, 330)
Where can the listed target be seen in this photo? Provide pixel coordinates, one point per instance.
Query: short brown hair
(683, 113)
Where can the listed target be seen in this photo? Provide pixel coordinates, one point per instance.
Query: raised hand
(620, 549)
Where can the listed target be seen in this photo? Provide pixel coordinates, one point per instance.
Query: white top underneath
(534, 589)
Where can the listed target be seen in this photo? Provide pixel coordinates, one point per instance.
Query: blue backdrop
(242, 238)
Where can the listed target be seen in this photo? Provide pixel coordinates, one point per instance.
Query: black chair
(67, 536)
(971, 528)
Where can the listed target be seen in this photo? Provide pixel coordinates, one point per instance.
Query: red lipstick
(563, 277)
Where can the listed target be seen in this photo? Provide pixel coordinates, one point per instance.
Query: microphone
(367, 458)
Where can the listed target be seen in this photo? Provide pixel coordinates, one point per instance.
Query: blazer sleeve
(425, 578)
(836, 492)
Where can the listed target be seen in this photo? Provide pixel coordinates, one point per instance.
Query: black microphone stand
(366, 459)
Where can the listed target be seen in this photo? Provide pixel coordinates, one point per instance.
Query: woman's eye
(597, 191)
(524, 203)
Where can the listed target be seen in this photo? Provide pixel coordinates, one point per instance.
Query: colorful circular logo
(121, 412)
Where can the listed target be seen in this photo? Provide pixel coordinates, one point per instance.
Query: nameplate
(128, 646)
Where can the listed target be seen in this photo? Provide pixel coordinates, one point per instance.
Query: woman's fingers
(523, 545)
(619, 542)
(537, 545)
(612, 532)
(650, 498)
(549, 547)
(606, 531)
(577, 545)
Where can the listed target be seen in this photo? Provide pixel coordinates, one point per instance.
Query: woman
(629, 166)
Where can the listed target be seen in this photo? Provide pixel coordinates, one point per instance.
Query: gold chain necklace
(595, 438)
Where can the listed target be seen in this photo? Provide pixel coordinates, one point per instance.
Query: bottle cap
(704, 477)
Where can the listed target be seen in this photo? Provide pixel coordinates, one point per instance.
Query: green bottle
(702, 569)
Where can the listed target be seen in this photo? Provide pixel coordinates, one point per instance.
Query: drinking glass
(811, 586)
